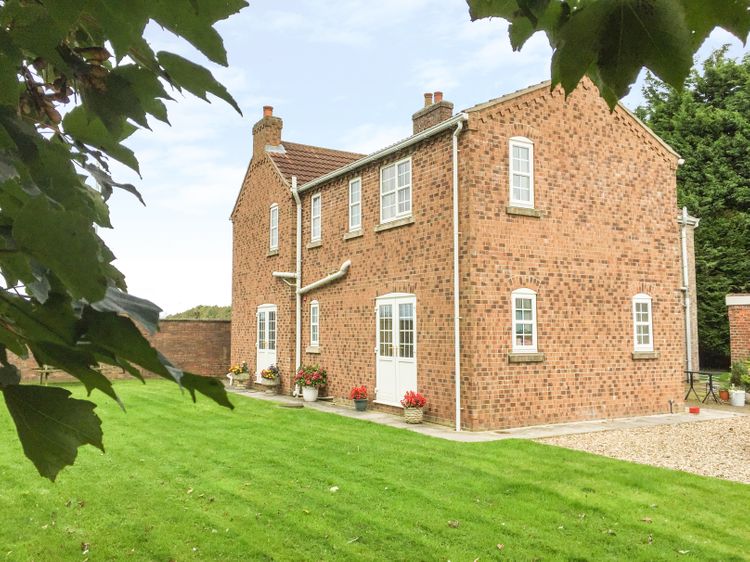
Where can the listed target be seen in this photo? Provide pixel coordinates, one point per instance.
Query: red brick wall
(609, 230)
(739, 331)
(252, 265)
(198, 346)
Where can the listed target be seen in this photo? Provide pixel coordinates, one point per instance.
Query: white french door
(395, 347)
(265, 343)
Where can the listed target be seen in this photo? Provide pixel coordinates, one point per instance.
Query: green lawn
(196, 482)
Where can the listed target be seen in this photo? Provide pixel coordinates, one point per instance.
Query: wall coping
(192, 320)
(738, 299)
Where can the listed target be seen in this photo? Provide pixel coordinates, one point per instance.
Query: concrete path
(531, 432)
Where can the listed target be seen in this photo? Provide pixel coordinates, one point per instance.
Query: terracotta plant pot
(413, 415)
(724, 394)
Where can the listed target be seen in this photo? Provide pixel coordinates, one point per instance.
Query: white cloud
(369, 137)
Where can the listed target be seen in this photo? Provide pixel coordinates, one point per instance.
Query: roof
(308, 162)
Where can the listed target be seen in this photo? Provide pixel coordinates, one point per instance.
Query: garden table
(709, 387)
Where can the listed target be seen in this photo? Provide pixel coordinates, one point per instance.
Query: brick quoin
(605, 190)
(738, 307)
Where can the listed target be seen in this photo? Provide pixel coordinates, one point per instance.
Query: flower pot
(269, 382)
(724, 395)
(360, 404)
(413, 415)
(737, 397)
(309, 393)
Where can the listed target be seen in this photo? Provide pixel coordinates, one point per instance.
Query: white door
(265, 343)
(396, 347)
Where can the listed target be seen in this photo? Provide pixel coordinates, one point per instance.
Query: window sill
(645, 355)
(394, 224)
(523, 211)
(314, 244)
(517, 357)
(272, 253)
(353, 234)
(312, 349)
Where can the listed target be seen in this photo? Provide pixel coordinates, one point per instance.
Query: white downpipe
(456, 285)
(328, 279)
(284, 274)
(686, 291)
(298, 276)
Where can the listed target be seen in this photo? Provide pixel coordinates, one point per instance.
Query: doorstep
(530, 432)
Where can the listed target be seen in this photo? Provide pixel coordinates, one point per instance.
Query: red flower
(413, 400)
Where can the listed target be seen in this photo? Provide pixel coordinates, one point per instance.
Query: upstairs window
(314, 324)
(315, 218)
(524, 321)
(355, 204)
(395, 190)
(521, 172)
(643, 323)
(274, 228)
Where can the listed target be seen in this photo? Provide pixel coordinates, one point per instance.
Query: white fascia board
(407, 142)
(738, 300)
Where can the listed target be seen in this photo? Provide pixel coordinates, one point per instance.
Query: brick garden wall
(199, 346)
(739, 326)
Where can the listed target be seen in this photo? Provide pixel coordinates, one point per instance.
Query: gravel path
(719, 448)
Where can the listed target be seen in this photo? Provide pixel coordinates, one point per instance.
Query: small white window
(521, 172)
(315, 218)
(355, 204)
(395, 190)
(643, 329)
(524, 321)
(274, 228)
(314, 324)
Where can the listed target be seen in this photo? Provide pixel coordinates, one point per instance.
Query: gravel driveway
(719, 448)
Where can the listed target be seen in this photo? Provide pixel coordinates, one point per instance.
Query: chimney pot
(267, 111)
(438, 97)
(427, 99)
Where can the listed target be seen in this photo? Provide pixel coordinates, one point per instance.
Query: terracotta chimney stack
(435, 110)
(267, 111)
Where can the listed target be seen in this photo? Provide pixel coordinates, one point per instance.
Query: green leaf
(9, 375)
(194, 78)
(51, 425)
(194, 20)
(42, 231)
(505, 9)
(141, 310)
(208, 386)
(87, 128)
(702, 16)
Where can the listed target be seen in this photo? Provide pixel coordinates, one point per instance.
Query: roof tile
(309, 162)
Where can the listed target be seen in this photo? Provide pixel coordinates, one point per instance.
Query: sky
(345, 74)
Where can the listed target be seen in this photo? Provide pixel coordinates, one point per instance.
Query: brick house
(537, 235)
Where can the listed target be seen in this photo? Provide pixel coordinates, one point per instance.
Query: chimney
(435, 111)
(266, 132)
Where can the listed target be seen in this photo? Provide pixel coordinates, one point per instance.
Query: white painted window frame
(273, 229)
(410, 185)
(354, 227)
(315, 237)
(315, 323)
(643, 298)
(524, 293)
(521, 142)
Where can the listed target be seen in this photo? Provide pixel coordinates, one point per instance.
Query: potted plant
(238, 373)
(737, 380)
(270, 377)
(310, 378)
(413, 402)
(359, 395)
(724, 393)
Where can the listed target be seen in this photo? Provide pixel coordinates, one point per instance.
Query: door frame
(396, 299)
(266, 308)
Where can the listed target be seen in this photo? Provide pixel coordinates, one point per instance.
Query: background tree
(77, 78)
(708, 123)
(610, 41)
(204, 312)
